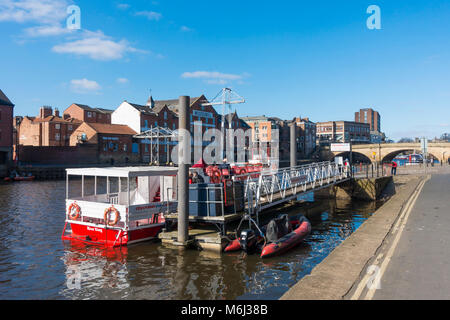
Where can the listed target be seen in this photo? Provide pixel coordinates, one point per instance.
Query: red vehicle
(118, 206)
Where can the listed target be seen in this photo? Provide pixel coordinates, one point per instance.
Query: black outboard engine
(248, 240)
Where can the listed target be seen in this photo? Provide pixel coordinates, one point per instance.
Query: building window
(89, 114)
(57, 126)
(165, 115)
(156, 124)
(146, 123)
(70, 127)
(125, 147)
(57, 137)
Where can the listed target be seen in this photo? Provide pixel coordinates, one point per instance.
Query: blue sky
(313, 59)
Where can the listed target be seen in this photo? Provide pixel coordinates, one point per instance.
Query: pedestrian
(394, 168)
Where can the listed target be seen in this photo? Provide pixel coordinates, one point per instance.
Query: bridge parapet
(384, 152)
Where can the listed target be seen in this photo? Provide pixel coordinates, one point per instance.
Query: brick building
(342, 131)
(6, 132)
(86, 113)
(162, 113)
(263, 132)
(47, 129)
(114, 141)
(306, 137)
(369, 116)
(263, 135)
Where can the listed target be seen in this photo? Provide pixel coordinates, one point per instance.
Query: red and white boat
(118, 206)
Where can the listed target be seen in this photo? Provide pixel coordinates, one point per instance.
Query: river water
(36, 264)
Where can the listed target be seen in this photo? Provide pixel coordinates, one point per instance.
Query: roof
(111, 128)
(124, 171)
(88, 108)
(173, 104)
(158, 105)
(53, 119)
(4, 100)
(141, 108)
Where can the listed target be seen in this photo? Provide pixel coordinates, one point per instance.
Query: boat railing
(113, 198)
(215, 204)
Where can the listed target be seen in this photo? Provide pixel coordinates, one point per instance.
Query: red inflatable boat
(292, 239)
(297, 231)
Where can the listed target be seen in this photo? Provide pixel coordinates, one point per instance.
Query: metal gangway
(265, 189)
(273, 187)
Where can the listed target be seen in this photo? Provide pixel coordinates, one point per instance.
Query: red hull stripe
(111, 237)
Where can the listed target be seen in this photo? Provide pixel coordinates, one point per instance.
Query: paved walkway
(420, 265)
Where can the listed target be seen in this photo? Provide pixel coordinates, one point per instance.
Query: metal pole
(183, 169)
(293, 145)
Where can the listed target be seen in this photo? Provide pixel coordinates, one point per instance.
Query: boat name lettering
(145, 207)
(94, 229)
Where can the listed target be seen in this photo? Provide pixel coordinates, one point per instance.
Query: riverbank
(336, 276)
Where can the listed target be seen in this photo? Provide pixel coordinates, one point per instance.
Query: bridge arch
(390, 156)
(356, 156)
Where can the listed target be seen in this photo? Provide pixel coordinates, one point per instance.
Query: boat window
(89, 186)
(74, 187)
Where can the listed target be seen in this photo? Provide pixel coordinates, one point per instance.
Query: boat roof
(124, 171)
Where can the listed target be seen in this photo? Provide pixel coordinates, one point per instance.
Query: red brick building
(6, 132)
(47, 129)
(86, 113)
(342, 131)
(114, 141)
(162, 113)
(369, 116)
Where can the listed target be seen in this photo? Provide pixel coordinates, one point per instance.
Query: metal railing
(268, 188)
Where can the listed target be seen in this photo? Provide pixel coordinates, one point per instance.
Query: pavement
(418, 268)
(338, 275)
(401, 252)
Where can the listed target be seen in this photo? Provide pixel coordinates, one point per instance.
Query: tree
(405, 140)
(445, 137)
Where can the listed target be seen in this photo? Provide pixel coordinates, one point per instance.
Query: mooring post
(183, 169)
(293, 145)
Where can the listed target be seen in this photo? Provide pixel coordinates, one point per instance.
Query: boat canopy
(125, 172)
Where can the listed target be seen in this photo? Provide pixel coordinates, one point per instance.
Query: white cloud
(214, 77)
(123, 6)
(97, 46)
(41, 11)
(216, 81)
(150, 15)
(84, 86)
(211, 75)
(185, 29)
(46, 31)
(122, 80)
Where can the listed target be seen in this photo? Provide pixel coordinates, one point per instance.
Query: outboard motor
(248, 240)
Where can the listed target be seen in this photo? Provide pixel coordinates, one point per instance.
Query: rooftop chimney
(45, 111)
(56, 112)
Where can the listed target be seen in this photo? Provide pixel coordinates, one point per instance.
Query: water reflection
(35, 264)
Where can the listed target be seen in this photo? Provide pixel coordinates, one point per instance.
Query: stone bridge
(385, 152)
